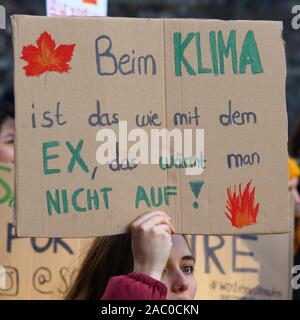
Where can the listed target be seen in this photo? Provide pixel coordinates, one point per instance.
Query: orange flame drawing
(242, 207)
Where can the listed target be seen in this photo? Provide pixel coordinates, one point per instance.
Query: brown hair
(106, 257)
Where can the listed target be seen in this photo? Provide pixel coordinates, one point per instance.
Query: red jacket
(134, 286)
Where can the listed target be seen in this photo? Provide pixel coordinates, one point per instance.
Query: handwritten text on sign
(176, 122)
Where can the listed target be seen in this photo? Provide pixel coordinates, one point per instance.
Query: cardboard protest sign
(76, 7)
(120, 116)
(33, 268)
(244, 267)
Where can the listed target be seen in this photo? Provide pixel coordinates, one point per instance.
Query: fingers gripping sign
(152, 243)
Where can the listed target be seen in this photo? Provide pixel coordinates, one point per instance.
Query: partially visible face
(7, 138)
(179, 272)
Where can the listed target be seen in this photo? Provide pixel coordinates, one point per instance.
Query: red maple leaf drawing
(46, 56)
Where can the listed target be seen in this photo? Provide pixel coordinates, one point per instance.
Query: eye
(188, 269)
(9, 139)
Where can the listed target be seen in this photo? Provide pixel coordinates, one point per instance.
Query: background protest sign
(244, 267)
(33, 268)
(97, 97)
(76, 7)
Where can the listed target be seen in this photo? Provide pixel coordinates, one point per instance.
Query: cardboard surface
(220, 84)
(33, 268)
(244, 267)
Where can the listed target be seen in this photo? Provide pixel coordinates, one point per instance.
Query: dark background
(216, 9)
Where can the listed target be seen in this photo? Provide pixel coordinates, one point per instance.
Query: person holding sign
(150, 263)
